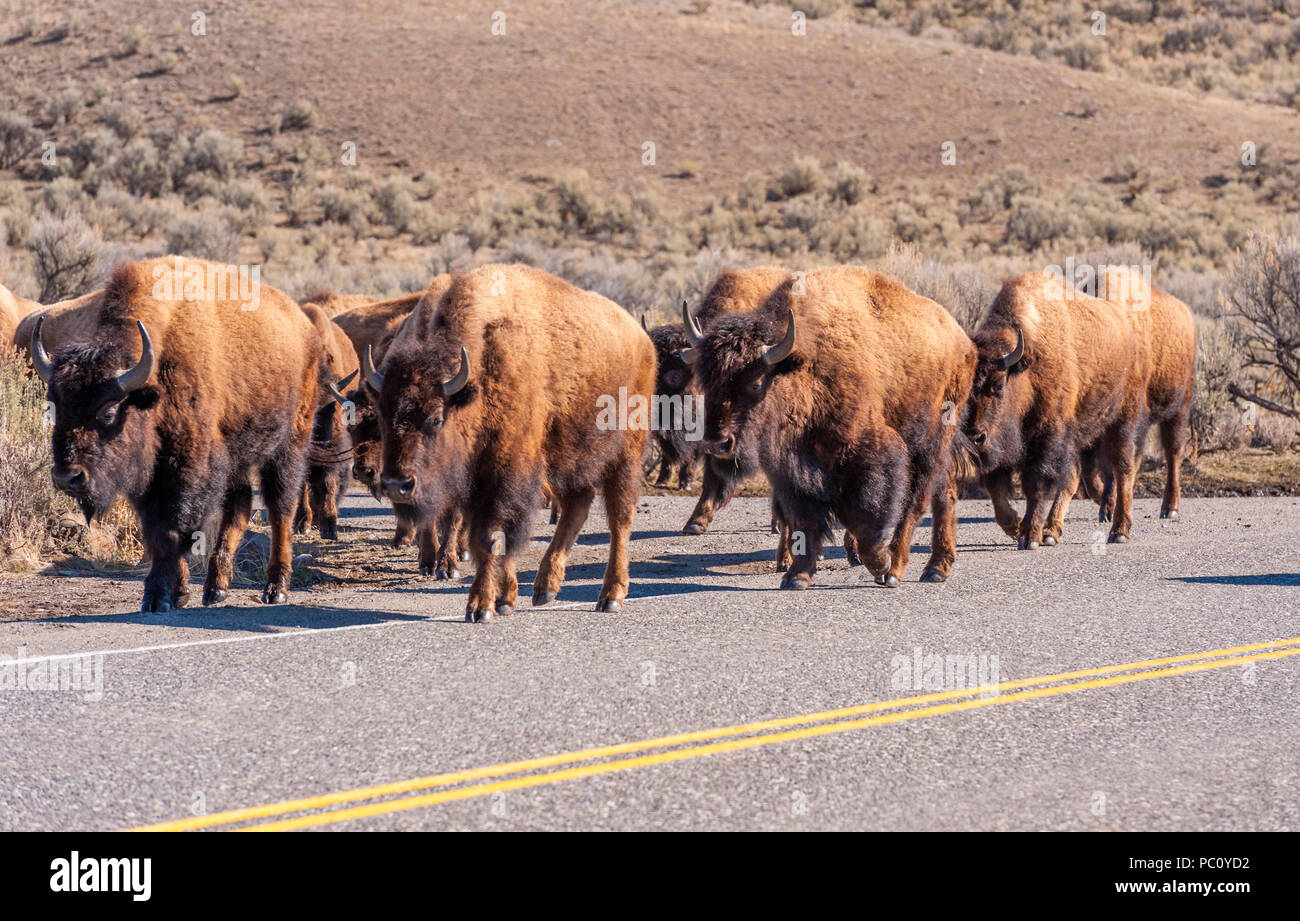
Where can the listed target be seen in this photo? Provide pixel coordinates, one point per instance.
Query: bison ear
(1022, 365)
(463, 397)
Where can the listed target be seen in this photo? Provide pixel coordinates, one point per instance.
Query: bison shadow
(250, 618)
(1273, 578)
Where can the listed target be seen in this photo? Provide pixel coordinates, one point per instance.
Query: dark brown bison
(331, 450)
(174, 402)
(851, 383)
(734, 291)
(372, 328)
(508, 387)
(678, 453)
(1059, 374)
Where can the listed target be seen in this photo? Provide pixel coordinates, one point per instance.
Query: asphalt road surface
(1146, 686)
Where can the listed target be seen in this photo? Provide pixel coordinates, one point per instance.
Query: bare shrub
(65, 256)
(211, 152)
(18, 139)
(204, 235)
(298, 115)
(122, 119)
(800, 178)
(140, 168)
(1262, 293)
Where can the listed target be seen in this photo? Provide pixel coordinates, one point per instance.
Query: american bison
(173, 402)
(734, 291)
(331, 448)
(507, 387)
(851, 384)
(1059, 376)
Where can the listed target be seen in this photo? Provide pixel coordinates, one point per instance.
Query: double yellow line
(752, 735)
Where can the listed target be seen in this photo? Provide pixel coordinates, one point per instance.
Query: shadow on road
(268, 619)
(1273, 578)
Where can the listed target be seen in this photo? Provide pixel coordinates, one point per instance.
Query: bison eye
(432, 425)
(107, 414)
(673, 378)
(756, 387)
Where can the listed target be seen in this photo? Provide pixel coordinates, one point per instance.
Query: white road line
(226, 639)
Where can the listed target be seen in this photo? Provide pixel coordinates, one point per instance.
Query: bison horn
(457, 383)
(40, 357)
(643, 323)
(373, 377)
(1017, 353)
(775, 354)
(689, 356)
(138, 376)
(336, 389)
(693, 331)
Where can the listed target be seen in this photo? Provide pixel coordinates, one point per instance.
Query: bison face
(102, 442)
(414, 398)
(367, 446)
(672, 380)
(735, 365)
(992, 418)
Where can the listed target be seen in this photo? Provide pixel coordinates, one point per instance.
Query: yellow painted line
(682, 754)
(513, 767)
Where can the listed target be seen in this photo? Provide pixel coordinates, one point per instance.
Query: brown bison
(332, 303)
(12, 310)
(507, 387)
(850, 383)
(331, 450)
(174, 402)
(1059, 374)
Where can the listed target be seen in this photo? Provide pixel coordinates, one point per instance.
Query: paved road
(383, 684)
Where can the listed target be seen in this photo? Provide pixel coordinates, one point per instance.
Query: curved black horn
(457, 383)
(693, 331)
(373, 377)
(775, 354)
(40, 357)
(336, 389)
(643, 323)
(138, 376)
(1017, 353)
(690, 356)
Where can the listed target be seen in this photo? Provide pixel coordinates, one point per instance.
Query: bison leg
(803, 531)
(323, 489)
(405, 531)
(665, 471)
(1040, 491)
(449, 528)
(165, 588)
(281, 489)
(426, 536)
(998, 485)
(714, 494)
(782, 530)
(550, 571)
(236, 511)
(1173, 432)
(302, 517)
(685, 474)
(943, 528)
(1122, 451)
(1055, 529)
(851, 548)
(497, 533)
(621, 489)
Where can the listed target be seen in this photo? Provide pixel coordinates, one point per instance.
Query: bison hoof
(427, 571)
(797, 584)
(477, 617)
(1170, 513)
(400, 542)
(214, 596)
(854, 560)
(1026, 544)
(505, 608)
(1119, 538)
(1049, 540)
(608, 606)
(274, 595)
(891, 581)
(1104, 515)
(693, 527)
(463, 556)
(933, 575)
(542, 598)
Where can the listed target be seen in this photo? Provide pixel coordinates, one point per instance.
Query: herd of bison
(467, 403)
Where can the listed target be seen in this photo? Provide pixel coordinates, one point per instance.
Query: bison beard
(180, 435)
(496, 394)
(845, 388)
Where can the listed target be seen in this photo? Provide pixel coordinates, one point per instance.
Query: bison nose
(365, 474)
(399, 488)
(72, 480)
(979, 438)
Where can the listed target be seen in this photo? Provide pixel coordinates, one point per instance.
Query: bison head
(672, 380)
(993, 412)
(421, 387)
(735, 365)
(102, 443)
(367, 446)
